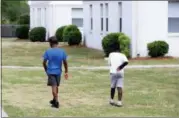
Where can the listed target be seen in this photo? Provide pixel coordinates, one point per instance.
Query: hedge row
(70, 34)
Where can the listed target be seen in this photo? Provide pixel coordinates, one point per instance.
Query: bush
(124, 42)
(157, 48)
(116, 41)
(59, 33)
(24, 19)
(22, 32)
(72, 35)
(110, 43)
(37, 34)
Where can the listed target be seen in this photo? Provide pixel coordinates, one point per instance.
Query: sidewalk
(3, 114)
(96, 67)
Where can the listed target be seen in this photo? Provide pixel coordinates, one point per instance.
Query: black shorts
(53, 80)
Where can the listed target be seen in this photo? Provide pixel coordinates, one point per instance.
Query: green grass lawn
(150, 92)
(24, 53)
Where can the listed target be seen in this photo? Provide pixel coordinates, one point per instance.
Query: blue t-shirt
(54, 58)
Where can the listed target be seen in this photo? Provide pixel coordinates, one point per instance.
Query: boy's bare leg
(119, 103)
(119, 93)
(112, 96)
(112, 93)
(55, 93)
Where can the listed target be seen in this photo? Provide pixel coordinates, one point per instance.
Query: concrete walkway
(95, 67)
(3, 114)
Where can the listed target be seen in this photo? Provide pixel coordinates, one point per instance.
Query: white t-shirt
(115, 60)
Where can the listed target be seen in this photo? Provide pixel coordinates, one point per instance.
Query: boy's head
(53, 41)
(116, 47)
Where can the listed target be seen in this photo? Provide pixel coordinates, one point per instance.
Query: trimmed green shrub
(22, 32)
(157, 48)
(72, 35)
(110, 43)
(37, 34)
(24, 19)
(124, 42)
(116, 41)
(59, 33)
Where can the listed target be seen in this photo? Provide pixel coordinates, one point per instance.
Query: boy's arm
(125, 63)
(44, 65)
(45, 58)
(122, 65)
(109, 60)
(65, 63)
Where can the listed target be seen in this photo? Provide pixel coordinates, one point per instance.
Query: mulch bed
(149, 58)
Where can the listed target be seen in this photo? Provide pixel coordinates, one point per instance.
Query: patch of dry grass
(150, 92)
(24, 53)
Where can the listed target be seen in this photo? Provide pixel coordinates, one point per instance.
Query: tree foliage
(12, 10)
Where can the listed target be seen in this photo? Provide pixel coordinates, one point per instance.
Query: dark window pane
(106, 24)
(120, 25)
(101, 24)
(173, 25)
(77, 21)
(91, 23)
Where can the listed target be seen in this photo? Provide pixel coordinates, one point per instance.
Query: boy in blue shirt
(52, 63)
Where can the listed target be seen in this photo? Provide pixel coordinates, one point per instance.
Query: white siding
(173, 41)
(173, 17)
(142, 21)
(94, 37)
(173, 28)
(152, 24)
(57, 14)
(77, 17)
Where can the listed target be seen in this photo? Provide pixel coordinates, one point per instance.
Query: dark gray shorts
(53, 80)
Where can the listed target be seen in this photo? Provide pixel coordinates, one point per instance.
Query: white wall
(94, 37)
(61, 15)
(173, 38)
(142, 21)
(152, 23)
(173, 41)
(56, 15)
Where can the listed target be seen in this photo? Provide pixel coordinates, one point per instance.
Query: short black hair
(115, 47)
(53, 41)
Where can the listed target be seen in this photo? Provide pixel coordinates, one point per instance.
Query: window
(45, 17)
(77, 17)
(173, 17)
(173, 25)
(91, 17)
(101, 11)
(120, 16)
(106, 13)
(78, 22)
(38, 16)
(33, 17)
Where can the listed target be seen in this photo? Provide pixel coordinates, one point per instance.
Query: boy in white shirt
(117, 62)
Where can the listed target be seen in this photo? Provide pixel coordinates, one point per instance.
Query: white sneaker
(111, 102)
(119, 104)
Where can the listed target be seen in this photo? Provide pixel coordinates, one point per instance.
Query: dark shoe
(56, 105)
(52, 101)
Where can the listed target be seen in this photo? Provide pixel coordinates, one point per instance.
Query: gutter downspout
(136, 27)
